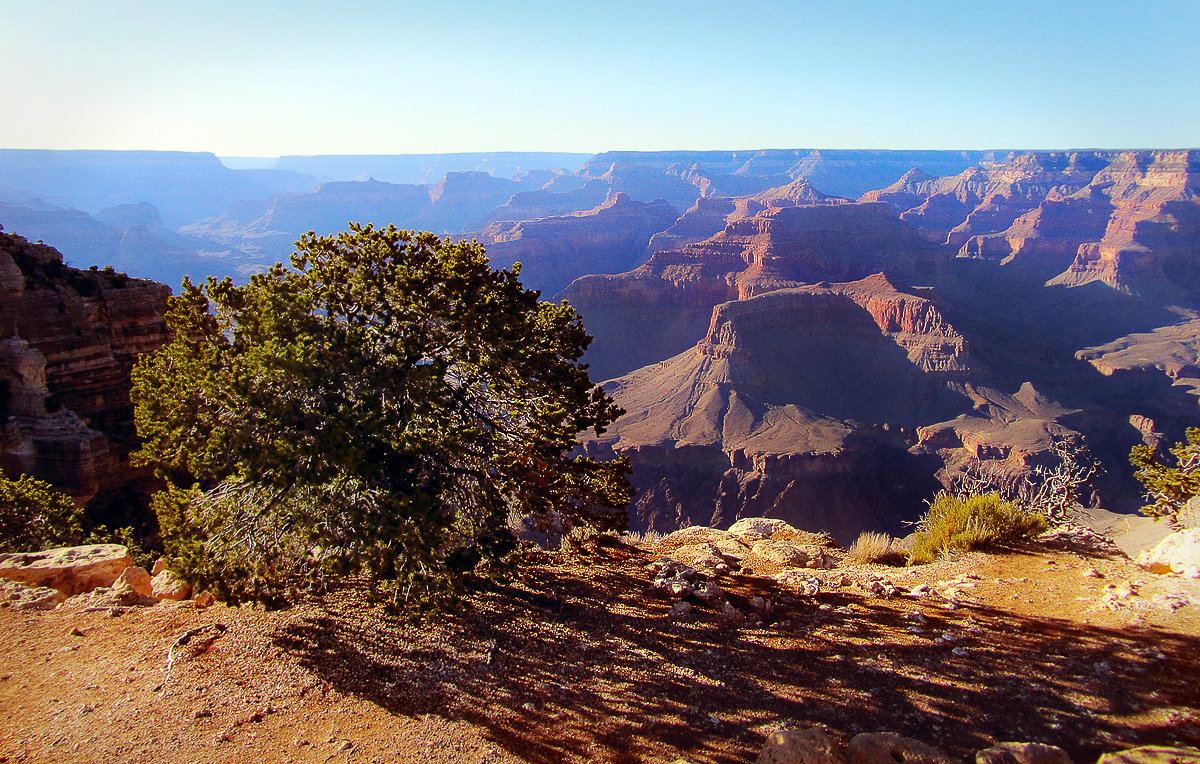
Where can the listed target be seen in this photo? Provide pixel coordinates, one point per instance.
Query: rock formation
(72, 339)
(798, 404)
(664, 306)
(1127, 219)
(554, 251)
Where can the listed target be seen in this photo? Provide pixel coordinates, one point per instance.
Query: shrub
(957, 523)
(871, 546)
(382, 407)
(35, 516)
(1169, 487)
(1053, 490)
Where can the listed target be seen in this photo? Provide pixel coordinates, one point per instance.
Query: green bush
(1169, 487)
(962, 523)
(380, 408)
(34, 516)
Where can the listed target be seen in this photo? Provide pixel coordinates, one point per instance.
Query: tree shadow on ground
(578, 663)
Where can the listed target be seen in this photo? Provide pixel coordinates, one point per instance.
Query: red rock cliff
(85, 329)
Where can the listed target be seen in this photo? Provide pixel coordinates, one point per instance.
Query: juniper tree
(1169, 487)
(379, 407)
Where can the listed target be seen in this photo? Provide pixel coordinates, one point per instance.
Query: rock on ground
(1177, 553)
(1022, 753)
(1153, 754)
(890, 748)
(167, 585)
(799, 746)
(71, 570)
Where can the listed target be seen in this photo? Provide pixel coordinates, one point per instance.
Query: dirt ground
(580, 660)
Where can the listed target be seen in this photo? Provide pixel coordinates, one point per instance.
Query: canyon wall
(70, 340)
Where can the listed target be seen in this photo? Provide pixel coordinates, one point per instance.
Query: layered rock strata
(554, 251)
(664, 306)
(73, 337)
(1128, 219)
(799, 404)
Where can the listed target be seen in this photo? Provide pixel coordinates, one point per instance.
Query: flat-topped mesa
(87, 328)
(913, 323)
(664, 306)
(837, 242)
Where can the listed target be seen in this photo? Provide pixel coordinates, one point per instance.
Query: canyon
(824, 337)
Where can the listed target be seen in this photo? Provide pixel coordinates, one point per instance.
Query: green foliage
(34, 516)
(126, 537)
(961, 523)
(1169, 488)
(381, 407)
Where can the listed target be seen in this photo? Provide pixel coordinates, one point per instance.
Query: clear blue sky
(246, 78)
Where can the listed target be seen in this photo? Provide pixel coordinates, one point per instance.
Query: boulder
(71, 570)
(1153, 754)
(752, 529)
(20, 597)
(799, 746)
(1022, 753)
(1177, 553)
(890, 748)
(167, 585)
(133, 582)
(781, 553)
(723, 542)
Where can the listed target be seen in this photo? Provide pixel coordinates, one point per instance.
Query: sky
(248, 78)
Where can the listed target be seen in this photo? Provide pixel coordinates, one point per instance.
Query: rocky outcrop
(1128, 219)
(1150, 241)
(73, 338)
(664, 306)
(43, 439)
(703, 219)
(554, 251)
(70, 570)
(1178, 553)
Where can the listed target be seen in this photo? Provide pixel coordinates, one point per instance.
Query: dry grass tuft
(871, 546)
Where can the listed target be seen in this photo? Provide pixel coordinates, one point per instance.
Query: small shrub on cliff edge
(1169, 488)
(874, 547)
(955, 523)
